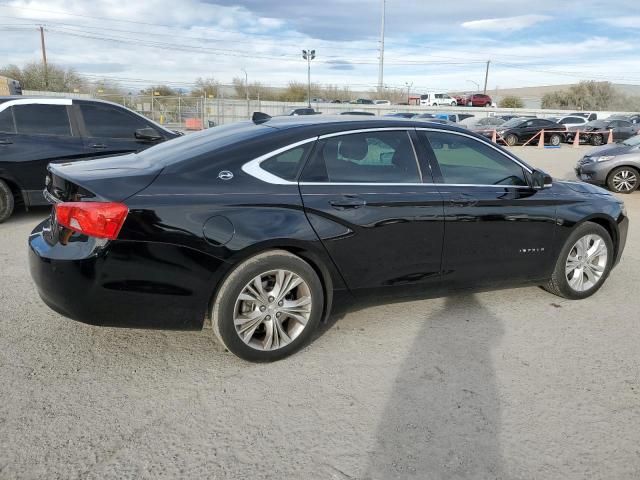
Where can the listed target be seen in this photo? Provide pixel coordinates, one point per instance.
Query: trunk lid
(112, 178)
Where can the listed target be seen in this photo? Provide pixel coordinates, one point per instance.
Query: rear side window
(42, 119)
(287, 164)
(371, 157)
(110, 122)
(466, 161)
(6, 121)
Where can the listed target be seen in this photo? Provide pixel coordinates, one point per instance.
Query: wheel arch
(609, 224)
(18, 199)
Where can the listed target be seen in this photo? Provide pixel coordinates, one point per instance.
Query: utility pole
(246, 91)
(44, 58)
(486, 77)
(308, 55)
(381, 67)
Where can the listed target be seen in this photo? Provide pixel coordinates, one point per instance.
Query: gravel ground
(512, 384)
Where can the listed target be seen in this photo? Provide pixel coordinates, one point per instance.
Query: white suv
(437, 99)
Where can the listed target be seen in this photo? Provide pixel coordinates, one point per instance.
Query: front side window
(287, 164)
(370, 157)
(110, 122)
(466, 161)
(37, 119)
(6, 121)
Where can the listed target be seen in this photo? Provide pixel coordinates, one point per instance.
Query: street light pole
(381, 66)
(308, 55)
(476, 84)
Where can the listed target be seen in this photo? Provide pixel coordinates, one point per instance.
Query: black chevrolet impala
(264, 225)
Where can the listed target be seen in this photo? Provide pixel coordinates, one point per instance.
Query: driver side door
(497, 228)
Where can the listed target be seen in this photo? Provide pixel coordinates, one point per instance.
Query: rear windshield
(194, 144)
(514, 122)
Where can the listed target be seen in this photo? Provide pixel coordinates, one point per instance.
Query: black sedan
(264, 226)
(521, 130)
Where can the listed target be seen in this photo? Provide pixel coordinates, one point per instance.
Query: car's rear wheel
(596, 139)
(623, 180)
(487, 105)
(583, 264)
(511, 139)
(555, 139)
(268, 307)
(6, 201)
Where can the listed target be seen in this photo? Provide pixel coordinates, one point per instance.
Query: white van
(437, 99)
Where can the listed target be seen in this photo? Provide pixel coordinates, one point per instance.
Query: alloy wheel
(625, 181)
(586, 262)
(272, 310)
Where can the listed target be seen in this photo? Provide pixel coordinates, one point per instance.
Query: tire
(511, 140)
(228, 307)
(560, 284)
(487, 105)
(6, 201)
(555, 139)
(434, 105)
(623, 180)
(596, 140)
(453, 104)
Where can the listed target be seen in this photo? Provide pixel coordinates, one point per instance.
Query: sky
(429, 45)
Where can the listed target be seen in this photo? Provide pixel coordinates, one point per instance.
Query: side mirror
(540, 180)
(147, 134)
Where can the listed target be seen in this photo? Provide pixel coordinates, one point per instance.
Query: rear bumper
(122, 283)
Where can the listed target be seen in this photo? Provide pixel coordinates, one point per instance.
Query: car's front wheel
(555, 139)
(597, 140)
(6, 201)
(583, 264)
(268, 307)
(623, 180)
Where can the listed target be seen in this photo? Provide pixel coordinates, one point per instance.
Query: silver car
(616, 166)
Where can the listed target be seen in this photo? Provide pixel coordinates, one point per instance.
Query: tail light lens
(95, 219)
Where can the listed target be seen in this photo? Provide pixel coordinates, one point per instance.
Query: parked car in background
(590, 116)
(381, 102)
(571, 122)
(632, 117)
(441, 121)
(437, 99)
(400, 114)
(483, 126)
(358, 112)
(363, 101)
(596, 132)
(302, 111)
(454, 117)
(37, 131)
(263, 226)
(520, 130)
(461, 100)
(508, 117)
(479, 100)
(616, 166)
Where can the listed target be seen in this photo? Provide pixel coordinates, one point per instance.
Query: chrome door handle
(348, 202)
(98, 145)
(5, 142)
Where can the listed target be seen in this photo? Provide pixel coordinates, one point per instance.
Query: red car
(479, 100)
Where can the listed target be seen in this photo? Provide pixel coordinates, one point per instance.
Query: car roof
(334, 123)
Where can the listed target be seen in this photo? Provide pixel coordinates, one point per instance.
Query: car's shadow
(442, 418)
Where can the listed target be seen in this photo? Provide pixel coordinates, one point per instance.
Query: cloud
(340, 65)
(623, 22)
(509, 24)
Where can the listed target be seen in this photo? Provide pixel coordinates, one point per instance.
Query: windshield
(596, 124)
(514, 122)
(632, 141)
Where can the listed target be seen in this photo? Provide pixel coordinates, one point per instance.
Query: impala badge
(225, 175)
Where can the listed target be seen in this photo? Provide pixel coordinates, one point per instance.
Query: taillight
(95, 219)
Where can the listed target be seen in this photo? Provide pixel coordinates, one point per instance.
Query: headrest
(354, 147)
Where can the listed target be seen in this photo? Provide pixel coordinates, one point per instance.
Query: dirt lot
(513, 384)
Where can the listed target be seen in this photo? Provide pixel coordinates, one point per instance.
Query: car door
(527, 130)
(497, 228)
(111, 130)
(364, 196)
(622, 130)
(35, 135)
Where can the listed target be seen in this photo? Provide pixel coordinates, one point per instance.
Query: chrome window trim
(506, 155)
(35, 101)
(253, 166)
